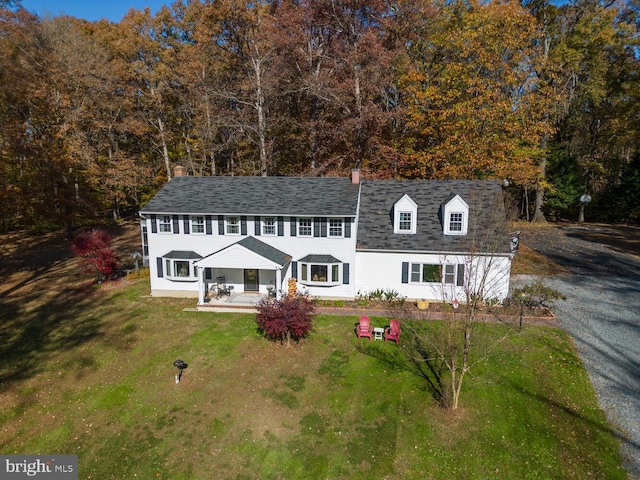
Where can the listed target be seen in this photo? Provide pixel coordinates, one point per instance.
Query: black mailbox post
(181, 366)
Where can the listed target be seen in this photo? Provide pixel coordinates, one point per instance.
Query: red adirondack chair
(393, 331)
(364, 327)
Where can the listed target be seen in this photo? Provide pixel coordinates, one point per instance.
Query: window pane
(415, 272)
(455, 222)
(335, 227)
(430, 273)
(197, 224)
(318, 273)
(449, 271)
(305, 227)
(335, 273)
(181, 268)
(404, 221)
(233, 225)
(304, 271)
(165, 224)
(269, 226)
(460, 276)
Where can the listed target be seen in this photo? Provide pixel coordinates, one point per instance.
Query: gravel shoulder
(601, 313)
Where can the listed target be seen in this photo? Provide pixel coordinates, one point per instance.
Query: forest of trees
(95, 115)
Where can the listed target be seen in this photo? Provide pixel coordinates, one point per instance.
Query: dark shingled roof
(183, 255)
(265, 251)
(309, 196)
(487, 221)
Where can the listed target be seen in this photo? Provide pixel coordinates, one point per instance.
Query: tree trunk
(165, 150)
(262, 122)
(538, 216)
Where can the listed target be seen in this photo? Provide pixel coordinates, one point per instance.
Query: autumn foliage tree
(94, 115)
(288, 318)
(95, 248)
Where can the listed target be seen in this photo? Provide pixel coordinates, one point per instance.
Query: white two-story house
(338, 237)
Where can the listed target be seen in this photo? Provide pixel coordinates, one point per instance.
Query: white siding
(298, 247)
(383, 270)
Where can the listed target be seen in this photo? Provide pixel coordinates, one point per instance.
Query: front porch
(242, 302)
(241, 274)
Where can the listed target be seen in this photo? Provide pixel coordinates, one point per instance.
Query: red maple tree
(287, 318)
(95, 247)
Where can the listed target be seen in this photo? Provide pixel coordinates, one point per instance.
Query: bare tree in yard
(445, 352)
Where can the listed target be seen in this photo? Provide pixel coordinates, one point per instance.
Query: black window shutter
(294, 269)
(405, 272)
(347, 227)
(185, 222)
(208, 227)
(220, 225)
(316, 227)
(159, 263)
(154, 224)
(281, 226)
(243, 225)
(345, 273)
(323, 227)
(256, 229)
(294, 226)
(176, 224)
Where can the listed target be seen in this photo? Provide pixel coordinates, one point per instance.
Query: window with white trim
(165, 224)
(454, 274)
(405, 216)
(425, 273)
(451, 274)
(305, 227)
(455, 221)
(177, 269)
(269, 226)
(335, 227)
(320, 273)
(232, 225)
(197, 224)
(405, 222)
(455, 216)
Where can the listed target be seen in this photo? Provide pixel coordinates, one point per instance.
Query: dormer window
(455, 221)
(455, 216)
(405, 216)
(405, 222)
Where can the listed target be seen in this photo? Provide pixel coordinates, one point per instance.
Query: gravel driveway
(602, 314)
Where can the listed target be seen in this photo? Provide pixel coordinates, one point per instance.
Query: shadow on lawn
(592, 424)
(29, 338)
(412, 356)
(48, 309)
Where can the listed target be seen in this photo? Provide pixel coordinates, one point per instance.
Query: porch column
(278, 283)
(200, 286)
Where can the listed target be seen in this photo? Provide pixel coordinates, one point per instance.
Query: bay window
(320, 270)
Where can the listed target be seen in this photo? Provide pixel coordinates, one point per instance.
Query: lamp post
(584, 200)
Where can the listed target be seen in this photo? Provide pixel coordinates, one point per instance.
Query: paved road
(602, 314)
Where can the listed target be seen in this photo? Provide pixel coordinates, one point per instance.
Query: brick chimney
(355, 176)
(179, 171)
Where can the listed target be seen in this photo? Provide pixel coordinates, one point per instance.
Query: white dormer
(405, 216)
(455, 216)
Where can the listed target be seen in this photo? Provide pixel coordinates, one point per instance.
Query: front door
(251, 280)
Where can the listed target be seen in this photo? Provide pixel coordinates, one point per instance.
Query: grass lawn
(90, 372)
